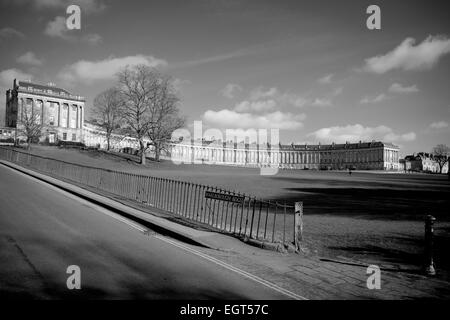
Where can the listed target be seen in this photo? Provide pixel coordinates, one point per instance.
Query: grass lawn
(367, 216)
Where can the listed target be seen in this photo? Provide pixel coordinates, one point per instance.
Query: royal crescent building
(62, 116)
(60, 113)
(373, 155)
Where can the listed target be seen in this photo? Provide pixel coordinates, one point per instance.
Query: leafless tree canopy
(164, 116)
(108, 112)
(441, 154)
(150, 106)
(30, 124)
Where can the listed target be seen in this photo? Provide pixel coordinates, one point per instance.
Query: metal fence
(226, 211)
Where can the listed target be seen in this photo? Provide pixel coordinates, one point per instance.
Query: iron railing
(245, 216)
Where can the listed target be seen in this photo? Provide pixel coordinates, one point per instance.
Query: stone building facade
(357, 156)
(421, 162)
(60, 112)
(95, 136)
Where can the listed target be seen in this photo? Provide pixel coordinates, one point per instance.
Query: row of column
(354, 156)
(47, 111)
(239, 156)
(391, 156)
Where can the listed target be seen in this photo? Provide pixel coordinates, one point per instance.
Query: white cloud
(261, 93)
(321, 102)
(439, 125)
(30, 59)
(92, 38)
(326, 79)
(7, 77)
(230, 90)
(337, 91)
(357, 132)
(6, 33)
(293, 99)
(87, 6)
(406, 56)
(230, 119)
(179, 83)
(398, 88)
(265, 95)
(89, 71)
(379, 98)
(258, 106)
(57, 28)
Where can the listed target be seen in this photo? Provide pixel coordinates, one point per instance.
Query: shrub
(70, 144)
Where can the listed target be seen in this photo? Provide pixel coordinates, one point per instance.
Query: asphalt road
(43, 230)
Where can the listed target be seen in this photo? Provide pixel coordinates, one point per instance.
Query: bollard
(429, 264)
(298, 224)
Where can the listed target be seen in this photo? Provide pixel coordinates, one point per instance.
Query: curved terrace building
(373, 155)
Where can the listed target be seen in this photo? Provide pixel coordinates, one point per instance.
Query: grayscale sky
(310, 68)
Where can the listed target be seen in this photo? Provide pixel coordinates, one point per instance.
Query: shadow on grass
(370, 203)
(397, 253)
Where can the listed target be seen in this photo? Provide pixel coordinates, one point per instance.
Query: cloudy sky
(310, 68)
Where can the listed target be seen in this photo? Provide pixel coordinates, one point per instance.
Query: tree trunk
(157, 152)
(448, 168)
(108, 139)
(142, 147)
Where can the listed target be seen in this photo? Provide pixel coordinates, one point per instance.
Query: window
(74, 137)
(64, 136)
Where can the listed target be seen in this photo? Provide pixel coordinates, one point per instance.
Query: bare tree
(108, 112)
(138, 86)
(150, 106)
(164, 115)
(441, 155)
(30, 125)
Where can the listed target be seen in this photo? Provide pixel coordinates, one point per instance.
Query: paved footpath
(306, 275)
(316, 278)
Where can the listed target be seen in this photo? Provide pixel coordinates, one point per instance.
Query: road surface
(44, 230)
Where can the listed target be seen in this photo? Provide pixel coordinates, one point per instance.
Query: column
(81, 116)
(68, 117)
(44, 111)
(77, 121)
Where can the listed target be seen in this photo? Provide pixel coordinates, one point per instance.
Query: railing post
(194, 203)
(246, 216)
(259, 219)
(253, 217)
(188, 199)
(185, 191)
(274, 221)
(284, 224)
(201, 199)
(298, 224)
(267, 217)
(429, 264)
